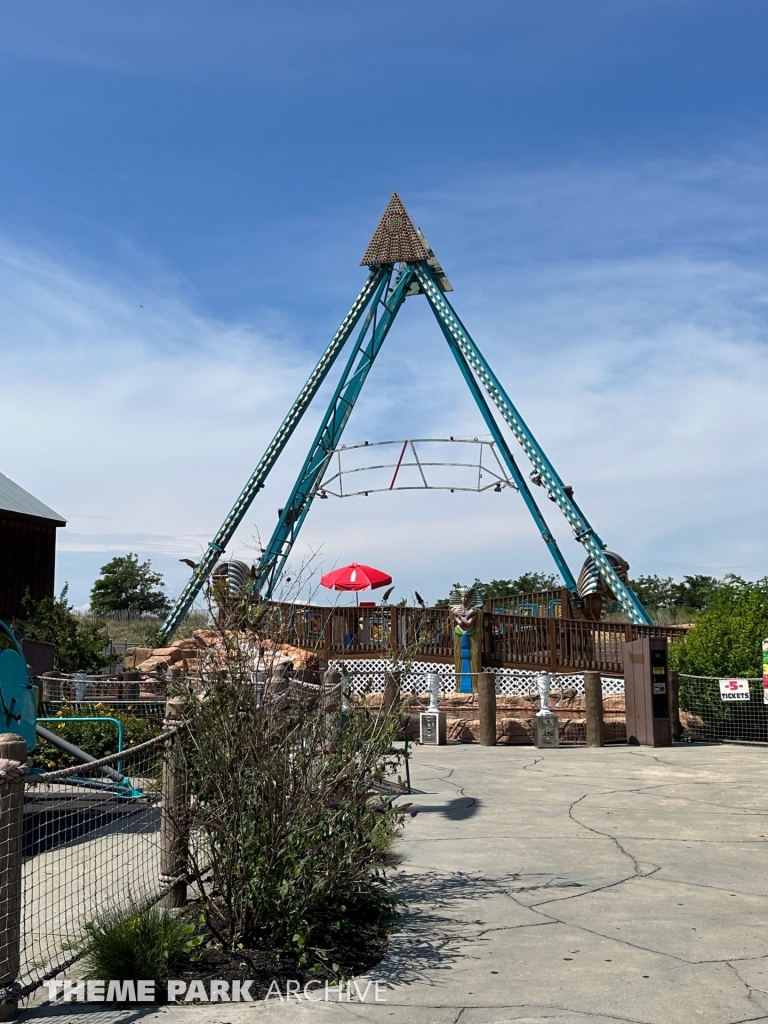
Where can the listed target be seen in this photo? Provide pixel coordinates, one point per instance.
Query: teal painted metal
(227, 529)
(474, 368)
(509, 459)
(93, 718)
(583, 531)
(329, 434)
(18, 694)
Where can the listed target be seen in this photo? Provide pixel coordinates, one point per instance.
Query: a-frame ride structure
(401, 265)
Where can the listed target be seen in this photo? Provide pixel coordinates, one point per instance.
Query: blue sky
(185, 194)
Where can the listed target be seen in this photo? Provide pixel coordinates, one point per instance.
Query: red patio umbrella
(355, 577)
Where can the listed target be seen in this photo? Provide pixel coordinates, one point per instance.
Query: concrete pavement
(564, 886)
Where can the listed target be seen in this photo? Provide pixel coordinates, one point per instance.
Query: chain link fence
(152, 710)
(86, 840)
(725, 714)
(79, 686)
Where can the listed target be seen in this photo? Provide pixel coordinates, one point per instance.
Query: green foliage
(696, 593)
(78, 645)
(97, 738)
(727, 637)
(141, 630)
(136, 943)
(653, 591)
(285, 801)
(127, 584)
(528, 583)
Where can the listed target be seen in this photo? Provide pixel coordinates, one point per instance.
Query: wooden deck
(509, 640)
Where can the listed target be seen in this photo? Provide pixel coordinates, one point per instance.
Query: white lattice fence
(367, 674)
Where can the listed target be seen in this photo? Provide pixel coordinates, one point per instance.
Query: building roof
(15, 499)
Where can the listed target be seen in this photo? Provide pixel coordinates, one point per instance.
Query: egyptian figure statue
(467, 610)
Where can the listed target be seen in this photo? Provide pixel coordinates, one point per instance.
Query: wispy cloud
(637, 353)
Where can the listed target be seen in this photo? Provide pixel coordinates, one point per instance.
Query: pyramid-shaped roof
(395, 240)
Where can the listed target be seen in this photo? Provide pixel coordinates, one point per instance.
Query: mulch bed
(355, 957)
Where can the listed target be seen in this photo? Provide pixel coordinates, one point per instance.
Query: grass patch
(136, 943)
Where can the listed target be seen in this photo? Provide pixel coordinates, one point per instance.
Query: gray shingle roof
(15, 499)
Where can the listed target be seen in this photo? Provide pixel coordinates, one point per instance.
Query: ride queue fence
(704, 714)
(76, 843)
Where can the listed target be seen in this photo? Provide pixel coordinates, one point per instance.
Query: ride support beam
(329, 433)
(509, 459)
(258, 478)
(576, 519)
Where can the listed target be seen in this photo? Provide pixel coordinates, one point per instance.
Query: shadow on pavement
(429, 937)
(455, 810)
(84, 1013)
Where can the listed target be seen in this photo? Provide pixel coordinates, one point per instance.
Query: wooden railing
(360, 632)
(561, 644)
(540, 604)
(509, 641)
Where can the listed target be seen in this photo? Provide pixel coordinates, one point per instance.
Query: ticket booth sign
(734, 689)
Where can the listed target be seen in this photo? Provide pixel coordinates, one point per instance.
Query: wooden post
(488, 652)
(552, 643)
(593, 699)
(674, 706)
(174, 841)
(12, 748)
(393, 641)
(486, 703)
(328, 640)
(391, 691)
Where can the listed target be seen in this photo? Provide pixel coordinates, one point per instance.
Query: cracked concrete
(572, 886)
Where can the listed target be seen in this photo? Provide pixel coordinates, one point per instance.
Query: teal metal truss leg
(509, 459)
(227, 529)
(583, 532)
(328, 436)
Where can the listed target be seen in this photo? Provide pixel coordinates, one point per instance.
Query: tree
(655, 592)
(127, 584)
(698, 592)
(78, 646)
(528, 583)
(727, 638)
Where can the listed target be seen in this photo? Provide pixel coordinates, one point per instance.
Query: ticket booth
(646, 691)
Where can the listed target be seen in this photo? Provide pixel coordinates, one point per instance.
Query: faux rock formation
(206, 645)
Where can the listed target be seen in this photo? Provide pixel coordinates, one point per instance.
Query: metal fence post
(486, 706)
(674, 706)
(174, 840)
(12, 749)
(593, 702)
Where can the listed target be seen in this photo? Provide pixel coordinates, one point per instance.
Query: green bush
(98, 738)
(288, 807)
(727, 638)
(136, 943)
(78, 645)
